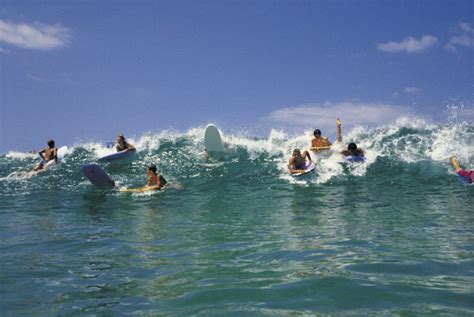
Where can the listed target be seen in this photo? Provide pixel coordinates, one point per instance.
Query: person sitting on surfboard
(298, 161)
(123, 145)
(47, 154)
(467, 175)
(352, 149)
(155, 179)
(319, 143)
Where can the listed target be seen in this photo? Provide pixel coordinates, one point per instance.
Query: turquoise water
(392, 236)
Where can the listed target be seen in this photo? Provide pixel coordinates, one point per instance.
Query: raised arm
(455, 162)
(339, 130)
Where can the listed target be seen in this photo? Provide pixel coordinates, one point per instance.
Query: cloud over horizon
(34, 36)
(409, 44)
(324, 115)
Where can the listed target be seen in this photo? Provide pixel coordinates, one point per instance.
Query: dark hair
(296, 151)
(317, 132)
(121, 136)
(352, 146)
(152, 168)
(51, 143)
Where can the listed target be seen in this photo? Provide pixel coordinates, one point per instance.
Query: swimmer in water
(47, 154)
(297, 161)
(467, 175)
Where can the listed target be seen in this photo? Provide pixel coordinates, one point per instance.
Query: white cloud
(464, 38)
(411, 90)
(324, 115)
(409, 45)
(39, 79)
(466, 27)
(34, 36)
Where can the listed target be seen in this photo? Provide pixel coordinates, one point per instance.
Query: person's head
(120, 138)
(151, 169)
(352, 146)
(296, 153)
(51, 143)
(317, 132)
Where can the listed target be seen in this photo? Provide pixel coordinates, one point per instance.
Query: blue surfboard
(97, 176)
(465, 181)
(353, 158)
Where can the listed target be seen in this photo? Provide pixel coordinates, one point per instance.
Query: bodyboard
(117, 156)
(309, 167)
(97, 176)
(139, 190)
(353, 158)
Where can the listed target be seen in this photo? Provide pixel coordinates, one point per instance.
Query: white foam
(21, 155)
(407, 139)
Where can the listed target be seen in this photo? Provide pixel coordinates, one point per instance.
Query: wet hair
(152, 168)
(121, 136)
(296, 151)
(51, 143)
(352, 146)
(317, 132)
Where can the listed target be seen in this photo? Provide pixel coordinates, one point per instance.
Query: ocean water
(392, 236)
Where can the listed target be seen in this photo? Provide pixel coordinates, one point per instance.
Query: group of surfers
(155, 179)
(296, 163)
(298, 160)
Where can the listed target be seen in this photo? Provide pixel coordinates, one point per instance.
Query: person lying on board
(155, 179)
(297, 161)
(123, 145)
(467, 175)
(352, 149)
(47, 154)
(319, 143)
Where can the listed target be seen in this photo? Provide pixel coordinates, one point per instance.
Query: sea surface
(239, 236)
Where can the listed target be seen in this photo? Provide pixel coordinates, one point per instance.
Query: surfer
(298, 161)
(352, 149)
(123, 145)
(47, 154)
(467, 175)
(155, 179)
(319, 143)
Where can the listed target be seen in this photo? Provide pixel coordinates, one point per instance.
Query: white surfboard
(309, 167)
(117, 156)
(212, 140)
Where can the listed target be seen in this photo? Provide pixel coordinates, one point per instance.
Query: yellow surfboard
(140, 189)
(320, 148)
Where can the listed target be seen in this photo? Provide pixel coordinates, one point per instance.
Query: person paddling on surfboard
(352, 149)
(298, 161)
(319, 143)
(123, 145)
(155, 179)
(467, 175)
(47, 154)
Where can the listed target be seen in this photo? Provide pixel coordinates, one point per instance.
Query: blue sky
(87, 70)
